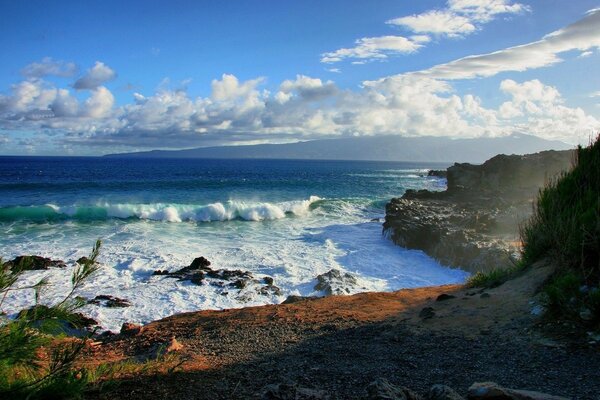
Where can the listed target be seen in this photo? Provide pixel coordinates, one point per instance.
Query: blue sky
(96, 77)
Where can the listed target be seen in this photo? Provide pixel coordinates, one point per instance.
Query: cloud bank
(302, 108)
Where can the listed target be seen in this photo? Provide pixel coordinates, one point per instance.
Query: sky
(96, 77)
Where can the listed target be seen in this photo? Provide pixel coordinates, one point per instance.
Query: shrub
(24, 371)
(565, 228)
(565, 225)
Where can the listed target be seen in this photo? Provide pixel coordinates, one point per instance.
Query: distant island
(372, 148)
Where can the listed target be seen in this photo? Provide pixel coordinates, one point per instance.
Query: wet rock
(160, 272)
(492, 391)
(381, 389)
(443, 392)
(444, 297)
(130, 329)
(292, 391)
(296, 299)
(83, 260)
(239, 284)
(197, 268)
(197, 278)
(427, 313)
(270, 290)
(199, 263)
(105, 300)
(33, 263)
(440, 173)
(335, 282)
(268, 280)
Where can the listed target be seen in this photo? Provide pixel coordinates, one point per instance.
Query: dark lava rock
(472, 224)
(427, 313)
(443, 392)
(444, 297)
(199, 263)
(83, 260)
(292, 391)
(268, 280)
(239, 284)
(381, 389)
(160, 272)
(109, 301)
(335, 282)
(493, 391)
(130, 329)
(440, 173)
(296, 299)
(33, 263)
(269, 290)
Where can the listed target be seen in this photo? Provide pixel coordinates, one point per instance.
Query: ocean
(286, 219)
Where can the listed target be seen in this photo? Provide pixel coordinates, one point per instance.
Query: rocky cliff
(473, 224)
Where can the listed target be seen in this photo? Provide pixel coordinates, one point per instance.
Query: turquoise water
(290, 220)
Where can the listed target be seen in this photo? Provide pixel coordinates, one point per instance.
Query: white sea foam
(292, 250)
(220, 211)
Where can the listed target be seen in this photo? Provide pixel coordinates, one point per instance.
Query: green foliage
(495, 277)
(567, 296)
(565, 228)
(23, 374)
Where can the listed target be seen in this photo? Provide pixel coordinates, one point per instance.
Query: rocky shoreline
(474, 223)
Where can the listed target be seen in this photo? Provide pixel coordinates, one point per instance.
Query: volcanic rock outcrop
(474, 223)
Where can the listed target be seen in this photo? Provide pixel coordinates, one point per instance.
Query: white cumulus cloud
(48, 66)
(459, 18)
(99, 74)
(375, 48)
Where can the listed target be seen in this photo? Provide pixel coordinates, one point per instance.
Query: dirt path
(340, 344)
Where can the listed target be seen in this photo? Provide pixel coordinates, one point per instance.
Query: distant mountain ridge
(372, 148)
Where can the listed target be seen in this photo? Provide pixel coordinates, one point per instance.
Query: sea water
(285, 219)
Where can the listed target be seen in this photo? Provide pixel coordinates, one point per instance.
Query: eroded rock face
(474, 224)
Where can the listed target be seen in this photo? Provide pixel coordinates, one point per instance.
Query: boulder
(292, 391)
(335, 282)
(427, 313)
(109, 301)
(440, 173)
(130, 329)
(296, 299)
(381, 389)
(33, 263)
(493, 391)
(443, 392)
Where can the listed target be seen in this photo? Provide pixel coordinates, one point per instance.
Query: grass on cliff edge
(565, 228)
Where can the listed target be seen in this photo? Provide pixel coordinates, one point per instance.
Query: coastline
(338, 346)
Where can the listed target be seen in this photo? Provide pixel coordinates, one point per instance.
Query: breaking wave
(230, 210)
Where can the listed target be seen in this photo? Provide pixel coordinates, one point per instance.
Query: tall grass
(565, 228)
(565, 225)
